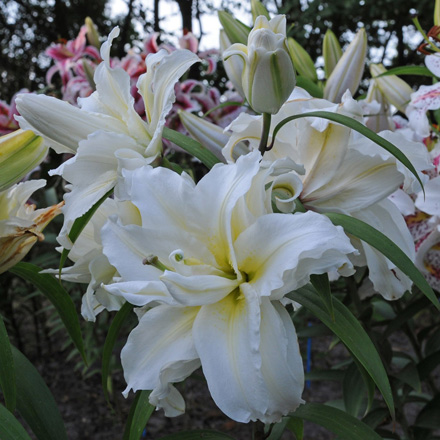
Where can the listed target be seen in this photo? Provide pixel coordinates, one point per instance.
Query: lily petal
(289, 249)
(162, 337)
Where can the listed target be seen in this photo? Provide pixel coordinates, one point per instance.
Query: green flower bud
(268, 76)
(302, 61)
(92, 33)
(208, 134)
(236, 31)
(258, 9)
(233, 66)
(395, 89)
(20, 152)
(332, 52)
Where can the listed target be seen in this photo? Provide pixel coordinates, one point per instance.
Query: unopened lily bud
(268, 76)
(348, 72)
(233, 65)
(332, 52)
(211, 136)
(236, 31)
(378, 109)
(20, 224)
(257, 9)
(395, 89)
(302, 61)
(20, 152)
(92, 33)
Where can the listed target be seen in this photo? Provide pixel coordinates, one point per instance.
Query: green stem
(265, 133)
(425, 37)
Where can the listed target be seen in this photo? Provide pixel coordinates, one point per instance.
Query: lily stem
(265, 133)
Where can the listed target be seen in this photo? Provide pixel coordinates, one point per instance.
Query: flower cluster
(208, 265)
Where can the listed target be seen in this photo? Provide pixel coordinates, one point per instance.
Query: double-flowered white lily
(91, 266)
(212, 264)
(106, 132)
(345, 173)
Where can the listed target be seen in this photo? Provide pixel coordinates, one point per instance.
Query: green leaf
(408, 70)
(354, 125)
(375, 417)
(35, 402)
(384, 245)
(369, 385)
(403, 317)
(410, 375)
(7, 370)
(58, 296)
(322, 286)
(296, 425)
(276, 430)
(109, 344)
(340, 423)
(308, 85)
(10, 428)
(191, 146)
(79, 224)
(224, 104)
(354, 390)
(203, 434)
(433, 343)
(429, 416)
(140, 411)
(428, 364)
(351, 333)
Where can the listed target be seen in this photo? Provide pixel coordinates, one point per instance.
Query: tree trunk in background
(156, 26)
(186, 8)
(125, 28)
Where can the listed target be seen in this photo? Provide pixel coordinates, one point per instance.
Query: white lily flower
(426, 98)
(91, 266)
(21, 225)
(432, 62)
(344, 172)
(214, 273)
(106, 132)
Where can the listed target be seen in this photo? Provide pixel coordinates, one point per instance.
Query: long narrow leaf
(348, 329)
(191, 146)
(140, 411)
(408, 70)
(354, 390)
(322, 286)
(357, 126)
(79, 224)
(109, 343)
(10, 428)
(58, 296)
(339, 422)
(308, 85)
(383, 244)
(7, 369)
(35, 402)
